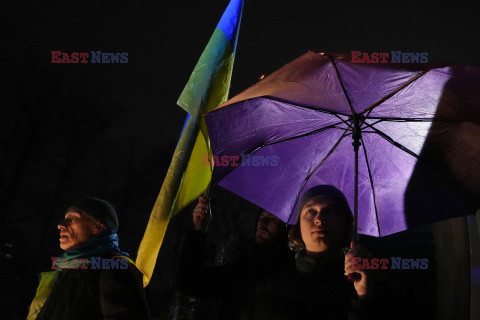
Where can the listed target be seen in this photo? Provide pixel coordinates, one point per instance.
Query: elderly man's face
(269, 229)
(322, 224)
(76, 228)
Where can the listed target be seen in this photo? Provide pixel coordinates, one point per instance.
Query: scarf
(101, 245)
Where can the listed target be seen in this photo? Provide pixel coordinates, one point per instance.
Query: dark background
(109, 130)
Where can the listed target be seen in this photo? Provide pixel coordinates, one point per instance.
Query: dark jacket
(96, 294)
(231, 283)
(315, 289)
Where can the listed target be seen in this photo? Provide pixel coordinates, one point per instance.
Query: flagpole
(187, 178)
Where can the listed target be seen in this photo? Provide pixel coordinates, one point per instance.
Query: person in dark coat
(231, 282)
(318, 287)
(93, 279)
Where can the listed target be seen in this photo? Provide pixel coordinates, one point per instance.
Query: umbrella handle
(354, 276)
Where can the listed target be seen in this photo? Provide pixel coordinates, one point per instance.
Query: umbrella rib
(336, 114)
(372, 186)
(335, 67)
(391, 94)
(437, 119)
(297, 137)
(303, 105)
(345, 129)
(396, 144)
(302, 135)
(381, 120)
(404, 119)
(316, 168)
(345, 122)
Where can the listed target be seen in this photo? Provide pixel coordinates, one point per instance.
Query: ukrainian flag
(187, 177)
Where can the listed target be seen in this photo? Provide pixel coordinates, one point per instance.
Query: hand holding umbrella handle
(355, 276)
(202, 213)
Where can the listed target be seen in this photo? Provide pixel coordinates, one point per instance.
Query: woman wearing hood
(318, 287)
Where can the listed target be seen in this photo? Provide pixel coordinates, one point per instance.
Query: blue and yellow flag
(187, 177)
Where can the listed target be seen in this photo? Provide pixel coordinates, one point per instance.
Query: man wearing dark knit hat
(93, 279)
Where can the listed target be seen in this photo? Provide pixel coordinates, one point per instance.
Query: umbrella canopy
(417, 128)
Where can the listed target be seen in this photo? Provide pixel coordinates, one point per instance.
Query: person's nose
(261, 223)
(61, 225)
(320, 220)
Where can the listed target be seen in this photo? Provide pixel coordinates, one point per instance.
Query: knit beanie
(100, 209)
(323, 190)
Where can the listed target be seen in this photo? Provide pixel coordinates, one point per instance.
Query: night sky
(120, 122)
(164, 42)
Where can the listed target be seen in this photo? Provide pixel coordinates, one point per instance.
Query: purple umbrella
(401, 141)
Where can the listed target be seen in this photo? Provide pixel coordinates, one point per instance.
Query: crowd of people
(299, 272)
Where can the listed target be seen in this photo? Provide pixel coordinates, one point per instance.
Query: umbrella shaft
(355, 208)
(357, 135)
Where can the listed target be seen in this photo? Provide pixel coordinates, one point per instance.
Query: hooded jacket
(315, 289)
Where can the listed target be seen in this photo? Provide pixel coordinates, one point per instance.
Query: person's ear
(99, 227)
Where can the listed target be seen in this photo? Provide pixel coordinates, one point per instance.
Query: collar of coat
(306, 264)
